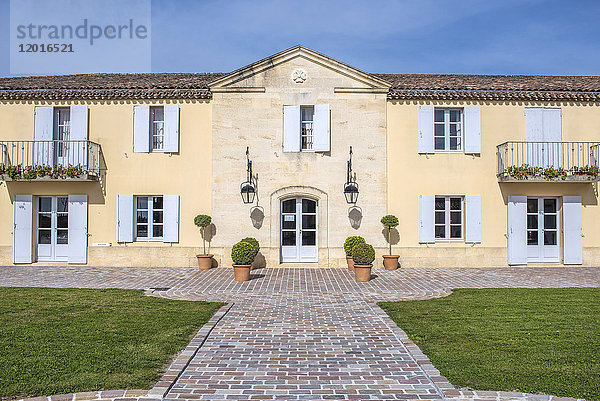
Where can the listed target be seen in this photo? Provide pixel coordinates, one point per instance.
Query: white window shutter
(517, 230)
(78, 228)
(572, 228)
(473, 219)
(42, 131)
(322, 128)
(425, 129)
(79, 132)
(534, 131)
(171, 128)
(472, 129)
(426, 218)
(22, 229)
(552, 133)
(171, 218)
(141, 129)
(124, 218)
(291, 128)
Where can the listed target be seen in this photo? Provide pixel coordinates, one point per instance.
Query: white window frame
(447, 124)
(150, 224)
(306, 125)
(157, 126)
(447, 225)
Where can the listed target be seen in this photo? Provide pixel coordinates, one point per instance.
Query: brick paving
(304, 334)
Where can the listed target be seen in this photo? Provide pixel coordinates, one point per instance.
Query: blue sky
(462, 36)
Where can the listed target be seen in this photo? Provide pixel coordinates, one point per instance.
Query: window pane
(309, 206)
(307, 113)
(549, 205)
(532, 221)
(532, 205)
(455, 203)
(157, 217)
(289, 221)
(288, 238)
(454, 115)
(62, 204)
(453, 130)
(454, 144)
(550, 222)
(142, 231)
(44, 237)
(440, 143)
(45, 204)
(440, 232)
(142, 202)
(455, 218)
(157, 231)
(62, 220)
(439, 130)
(532, 237)
(440, 218)
(309, 222)
(440, 204)
(439, 116)
(62, 237)
(549, 237)
(44, 221)
(157, 113)
(142, 217)
(309, 238)
(289, 206)
(157, 202)
(455, 231)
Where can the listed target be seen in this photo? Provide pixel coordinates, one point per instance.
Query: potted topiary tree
(204, 260)
(390, 262)
(255, 245)
(348, 245)
(242, 255)
(363, 255)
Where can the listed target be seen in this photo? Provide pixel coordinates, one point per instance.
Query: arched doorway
(299, 230)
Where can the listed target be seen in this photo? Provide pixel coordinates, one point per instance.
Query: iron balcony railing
(548, 161)
(54, 159)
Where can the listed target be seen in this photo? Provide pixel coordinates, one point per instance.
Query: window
(149, 218)
(62, 130)
(307, 114)
(448, 218)
(157, 128)
(447, 130)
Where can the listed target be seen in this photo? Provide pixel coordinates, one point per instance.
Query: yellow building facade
(110, 169)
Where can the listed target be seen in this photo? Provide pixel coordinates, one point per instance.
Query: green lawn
(530, 340)
(56, 341)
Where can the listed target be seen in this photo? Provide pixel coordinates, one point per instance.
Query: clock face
(299, 76)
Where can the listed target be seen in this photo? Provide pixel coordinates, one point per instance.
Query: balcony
(574, 162)
(50, 160)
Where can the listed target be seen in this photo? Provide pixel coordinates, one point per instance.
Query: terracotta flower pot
(350, 262)
(362, 272)
(205, 261)
(390, 262)
(241, 272)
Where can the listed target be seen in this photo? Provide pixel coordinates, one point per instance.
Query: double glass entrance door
(52, 225)
(299, 232)
(543, 230)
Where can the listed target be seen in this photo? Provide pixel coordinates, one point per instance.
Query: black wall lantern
(351, 186)
(248, 187)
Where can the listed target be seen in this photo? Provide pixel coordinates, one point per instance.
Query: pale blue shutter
(79, 132)
(78, 228)
(473, 219)
(124, 218)
(43, 150)
(171, 218)
(517, 230)
(472, 129)
(552, 128)
(291, 128)
(322, 128)
(141, 129)
(171, 128)
(426, 218)
(426, 129)
(534, 132)
(22, 229)
(573, 232)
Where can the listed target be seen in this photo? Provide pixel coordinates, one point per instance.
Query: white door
(52, 223)
(299, 233)
(62, 135)
(543, 230)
